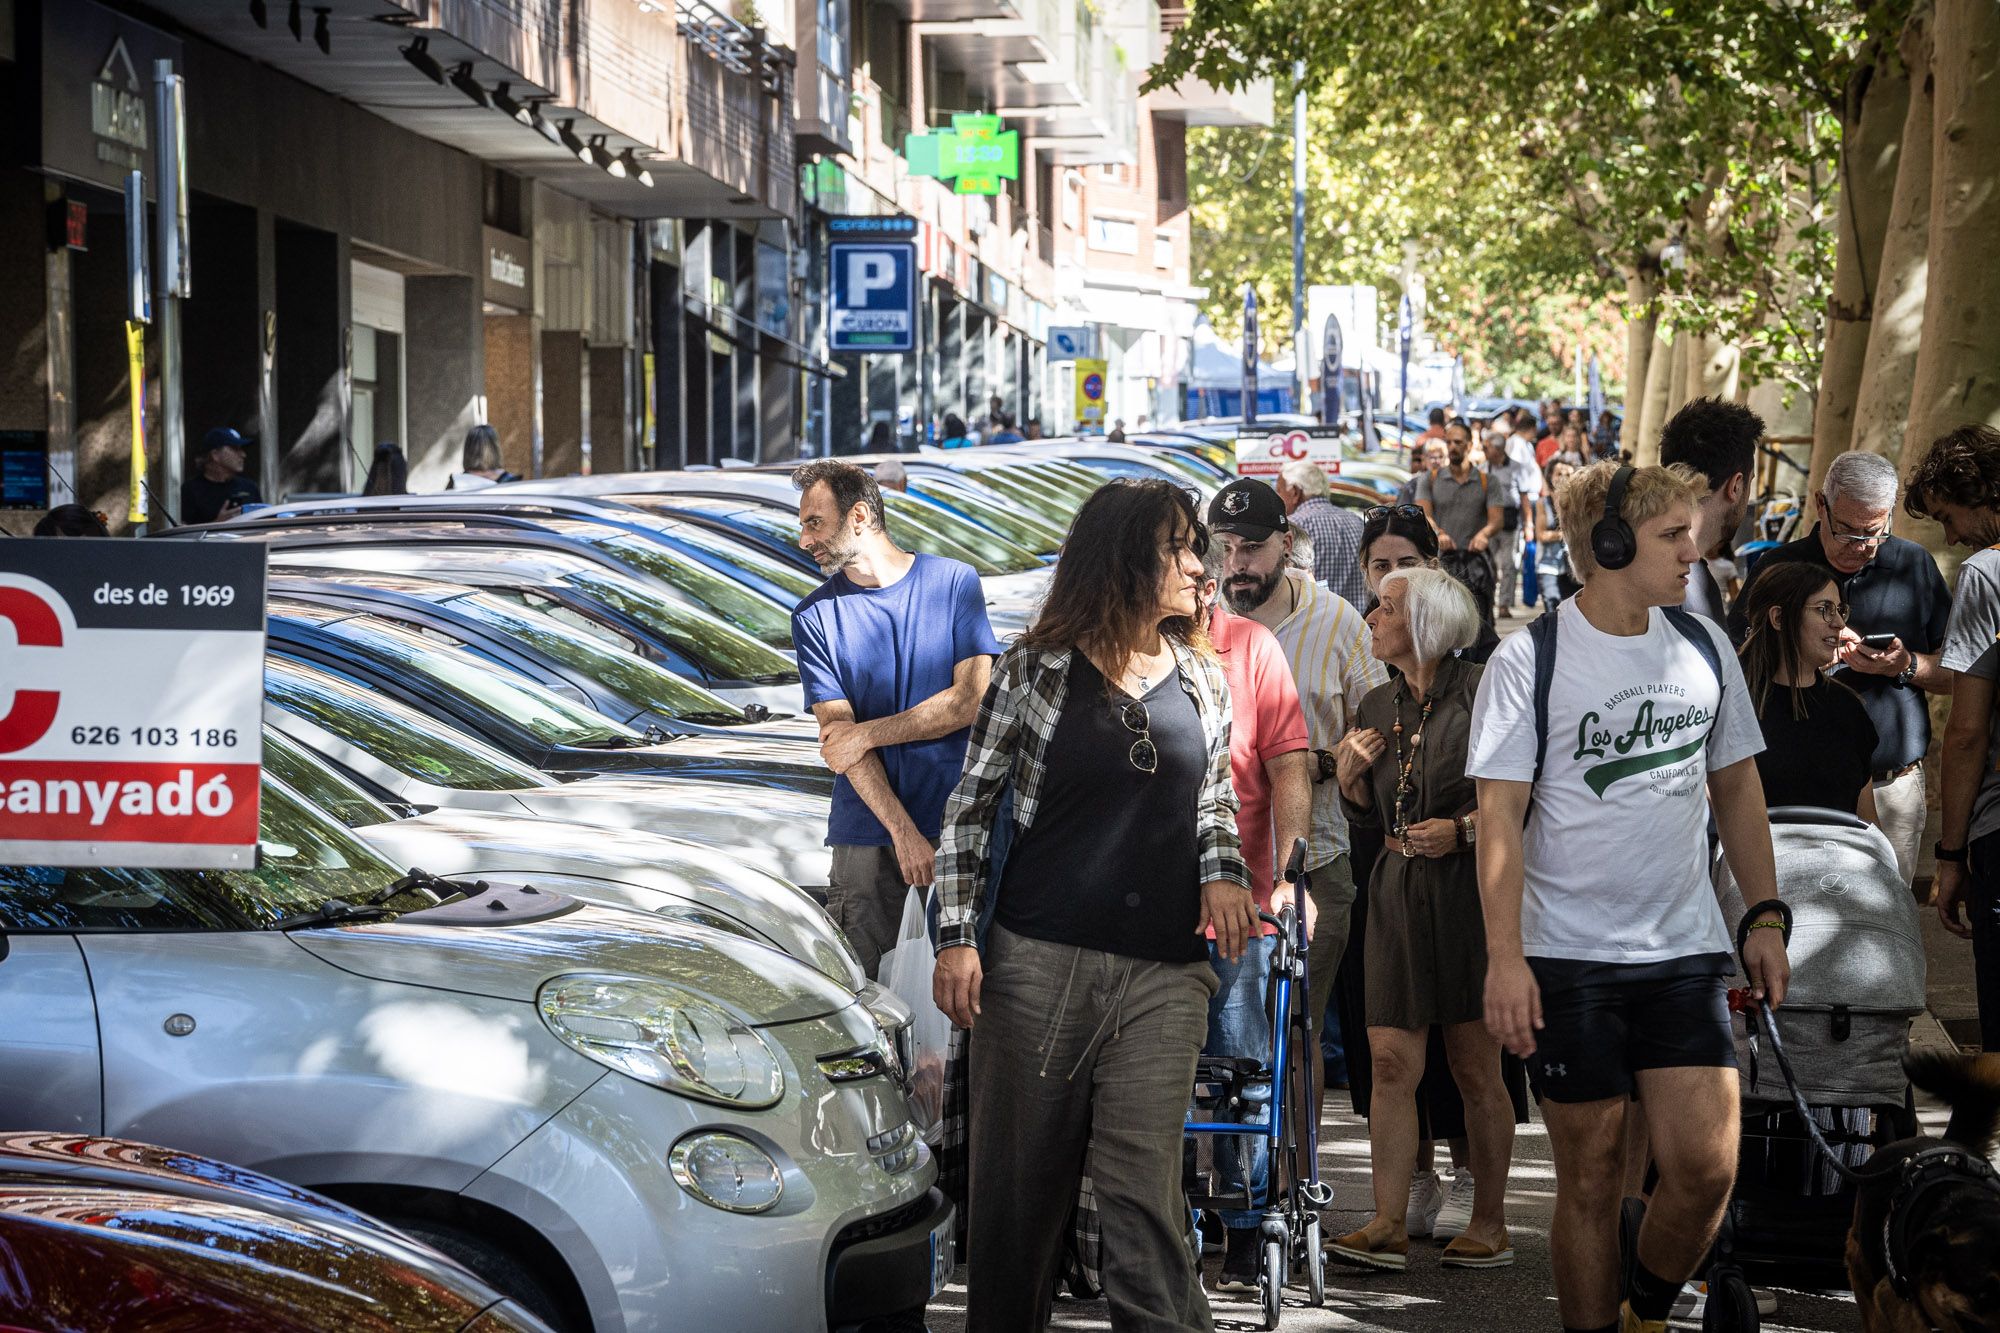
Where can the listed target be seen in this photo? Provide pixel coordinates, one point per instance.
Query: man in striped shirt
(1326, 643)
(1335, 533)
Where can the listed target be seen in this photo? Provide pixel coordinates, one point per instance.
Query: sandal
(1465, 1252)
(1357, 1249)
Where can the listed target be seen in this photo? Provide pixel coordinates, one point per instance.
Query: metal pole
(1301, 371)
(170, 243)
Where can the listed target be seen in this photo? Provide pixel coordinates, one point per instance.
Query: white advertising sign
(131, 702)
(1260, 453)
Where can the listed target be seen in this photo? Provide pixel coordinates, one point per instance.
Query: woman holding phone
(1818, 739)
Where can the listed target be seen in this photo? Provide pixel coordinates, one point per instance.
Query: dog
(1924, 1252)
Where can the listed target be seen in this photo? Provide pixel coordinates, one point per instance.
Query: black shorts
(1603, 1022)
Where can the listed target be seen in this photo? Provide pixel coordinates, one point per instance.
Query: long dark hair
(1105, 595)
(389, 474)
(1768, 650)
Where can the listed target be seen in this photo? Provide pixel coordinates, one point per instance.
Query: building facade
(601, 226)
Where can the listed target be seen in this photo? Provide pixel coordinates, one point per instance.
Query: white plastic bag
(906, 970)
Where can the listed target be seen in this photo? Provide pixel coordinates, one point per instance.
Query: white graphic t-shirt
(1616, 848)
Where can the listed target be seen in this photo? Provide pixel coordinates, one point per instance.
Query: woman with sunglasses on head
(1818, 739)
(1402, 769)
(1101, 757)
(1400, 536)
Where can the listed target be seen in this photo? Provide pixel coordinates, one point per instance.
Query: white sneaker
(1692, 1303)
(1456, 1214)
(1426, 1197)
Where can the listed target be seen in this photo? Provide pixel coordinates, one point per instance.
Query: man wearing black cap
(218, 489)
(1326, 643)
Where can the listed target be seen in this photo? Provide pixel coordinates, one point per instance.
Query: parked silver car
(619, 867)
(622, 1121)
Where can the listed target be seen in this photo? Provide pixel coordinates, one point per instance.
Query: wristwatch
(1324, 768)
(1909, 672)
(1955, 856)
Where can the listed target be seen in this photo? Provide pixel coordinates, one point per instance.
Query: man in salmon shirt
(1268, 765)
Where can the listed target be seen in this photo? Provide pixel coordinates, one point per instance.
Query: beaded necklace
(1404, 763)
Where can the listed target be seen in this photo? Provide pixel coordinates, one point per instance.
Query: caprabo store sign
(131, 702)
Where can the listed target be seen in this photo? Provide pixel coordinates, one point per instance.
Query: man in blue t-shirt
(894, 651)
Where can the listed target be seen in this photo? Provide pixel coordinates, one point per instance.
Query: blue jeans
(1551, 593)
(1237, 1026)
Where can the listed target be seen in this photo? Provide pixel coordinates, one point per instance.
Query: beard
(833, 555)
(1245, 593)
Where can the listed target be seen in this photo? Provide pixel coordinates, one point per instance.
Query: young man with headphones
(1603, 741)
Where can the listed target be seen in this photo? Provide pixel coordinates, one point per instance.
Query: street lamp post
(1300, 371)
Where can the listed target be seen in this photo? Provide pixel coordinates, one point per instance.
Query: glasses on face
(1833, 613)
(1143, 755)
(1841, 534)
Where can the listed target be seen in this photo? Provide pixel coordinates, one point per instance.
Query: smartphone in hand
(1880, 643)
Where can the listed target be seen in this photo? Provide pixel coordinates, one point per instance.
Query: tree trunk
(1653, 402)
(1711, 368)
(1882, 406)
(1958, 361)
(1871, 134)
(1677, 373)
(1642, 318)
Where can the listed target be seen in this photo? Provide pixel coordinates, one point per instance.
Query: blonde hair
(1651, 492)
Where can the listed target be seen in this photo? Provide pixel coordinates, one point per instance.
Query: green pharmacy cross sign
(975, 154)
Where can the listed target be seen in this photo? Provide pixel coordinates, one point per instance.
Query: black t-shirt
(1822, 759)
(202, 499)
(1112, 861)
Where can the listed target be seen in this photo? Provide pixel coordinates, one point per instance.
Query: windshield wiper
(341, 912)
(335, 912)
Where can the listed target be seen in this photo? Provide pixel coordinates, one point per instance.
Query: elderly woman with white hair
(1402, 767)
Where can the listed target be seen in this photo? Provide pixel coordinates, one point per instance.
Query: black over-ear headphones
(1612, 544)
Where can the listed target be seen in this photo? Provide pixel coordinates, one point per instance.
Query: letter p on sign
(869, 272)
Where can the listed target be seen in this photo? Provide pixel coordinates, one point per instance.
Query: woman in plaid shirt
(1101, 759)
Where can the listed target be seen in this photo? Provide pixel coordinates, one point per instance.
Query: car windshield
(727, 651)
(320, 783)
(516, 703)
(305, 861)
(645, 686)
(1055, 499)
(392, 733)
(1016, 525)
(750, 611)
(920, 536)
(994, 550)
(742, 555)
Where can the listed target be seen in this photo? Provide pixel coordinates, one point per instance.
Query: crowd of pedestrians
(1103, 817)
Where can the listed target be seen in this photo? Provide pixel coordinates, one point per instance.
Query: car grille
(883, 1223)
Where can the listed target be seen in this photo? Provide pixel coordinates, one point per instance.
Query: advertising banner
(131, 702)
(1261, 452)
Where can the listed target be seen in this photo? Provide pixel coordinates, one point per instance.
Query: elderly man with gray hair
(1897, 608)
(1335, 533)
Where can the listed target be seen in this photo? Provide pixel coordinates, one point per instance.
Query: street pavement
(1428, 1297)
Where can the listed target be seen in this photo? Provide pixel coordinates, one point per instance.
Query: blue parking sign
(874, 296)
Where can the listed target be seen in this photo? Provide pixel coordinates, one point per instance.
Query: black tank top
(1113, 861)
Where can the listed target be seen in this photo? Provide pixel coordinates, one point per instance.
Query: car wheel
(501, 1269)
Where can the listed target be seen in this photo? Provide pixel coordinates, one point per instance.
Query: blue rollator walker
(1237, 1099)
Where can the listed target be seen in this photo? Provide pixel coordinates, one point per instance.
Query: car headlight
(662, 1035)
(894, 1018)
(727, 1172)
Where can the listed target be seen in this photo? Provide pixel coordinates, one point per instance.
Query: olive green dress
(1426, 949)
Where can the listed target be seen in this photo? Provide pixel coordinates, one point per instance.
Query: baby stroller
(1237, 1099)
(1857, 981)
